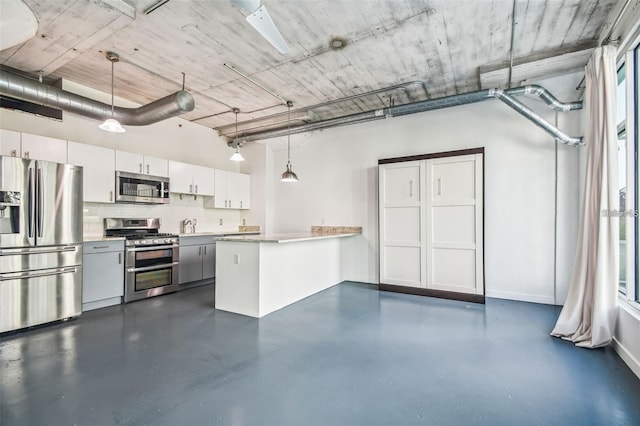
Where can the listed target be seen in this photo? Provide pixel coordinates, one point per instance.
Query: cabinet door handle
(196, 189)
(26, 155)
(14, 153)
(199, 250)
(191, 188)
(439, 186)
(205, 250)
(240, 203)
(148, 169)
(411, 188)
(140, 167)
(110, 195)
(100, 247)
(119, 258)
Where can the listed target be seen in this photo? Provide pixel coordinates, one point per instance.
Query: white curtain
(589, 314)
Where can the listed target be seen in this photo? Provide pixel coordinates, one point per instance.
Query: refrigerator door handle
(46, 273)
(31, 209)
(40, 200)
(21, 251)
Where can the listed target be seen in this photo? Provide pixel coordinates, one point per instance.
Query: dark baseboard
(473, 298)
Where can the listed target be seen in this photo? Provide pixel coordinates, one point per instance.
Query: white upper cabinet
(222, 200)
(139, 163)
(203, 180)
(233, 190)
(25, 145)
(99, 166)
(191, 179)
(181, 177)
(244, 191)
(10, 143)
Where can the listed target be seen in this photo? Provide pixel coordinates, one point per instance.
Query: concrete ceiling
(422, 48)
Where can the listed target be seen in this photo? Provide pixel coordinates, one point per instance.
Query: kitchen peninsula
(259, 274)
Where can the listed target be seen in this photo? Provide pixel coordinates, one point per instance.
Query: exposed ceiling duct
(506, 96)
(30, 90)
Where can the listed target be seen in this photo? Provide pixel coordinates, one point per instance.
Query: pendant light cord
(288, 133)
(112, 107)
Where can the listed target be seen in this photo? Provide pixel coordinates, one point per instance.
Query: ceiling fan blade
(246, 6)
(262, 22)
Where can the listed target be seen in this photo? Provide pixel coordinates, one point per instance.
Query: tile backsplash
(172, 214)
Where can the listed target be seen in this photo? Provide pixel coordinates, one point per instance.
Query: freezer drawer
(35, 258)
(37, 297)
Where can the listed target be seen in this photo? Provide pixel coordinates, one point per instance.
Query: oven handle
(152, 268)
(152, 248)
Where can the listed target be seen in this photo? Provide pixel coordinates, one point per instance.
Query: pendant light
(236, 155)
(289, 175)
(111, 124)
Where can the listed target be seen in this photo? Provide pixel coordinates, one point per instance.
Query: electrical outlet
(244, 222)
(220, 221)
(236, 259)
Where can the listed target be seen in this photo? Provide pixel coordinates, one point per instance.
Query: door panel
(402, 224)
(401, 184)
(14, 178)
(454, 224)
(48, 296)
(60, 209)
(402, 266)
(209, 261)
(190, 264)
(453, 179)
(454, 270)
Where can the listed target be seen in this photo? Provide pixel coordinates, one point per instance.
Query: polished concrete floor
(348, 356)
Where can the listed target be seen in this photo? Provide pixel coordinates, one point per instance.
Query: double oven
(151, 258)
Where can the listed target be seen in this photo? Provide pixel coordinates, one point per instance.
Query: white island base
(258, 275)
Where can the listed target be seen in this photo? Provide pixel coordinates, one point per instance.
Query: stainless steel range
(151, 265)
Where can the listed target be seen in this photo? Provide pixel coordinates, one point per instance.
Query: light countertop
(286, 238)
(217, 233)
(94, 238)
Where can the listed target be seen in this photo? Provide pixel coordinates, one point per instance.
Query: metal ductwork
(33, 91)
(506, 96)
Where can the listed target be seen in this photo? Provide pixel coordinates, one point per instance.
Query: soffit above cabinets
(337, 50)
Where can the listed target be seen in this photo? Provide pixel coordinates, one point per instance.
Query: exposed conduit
(33, 91)
(505, 96)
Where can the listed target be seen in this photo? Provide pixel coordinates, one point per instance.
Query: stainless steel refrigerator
(40, 242)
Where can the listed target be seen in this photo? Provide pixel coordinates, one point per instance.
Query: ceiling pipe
(33, 91)
(402, 86)
(505, 96)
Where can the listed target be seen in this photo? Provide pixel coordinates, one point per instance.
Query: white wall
(338, 186)
(174, 139)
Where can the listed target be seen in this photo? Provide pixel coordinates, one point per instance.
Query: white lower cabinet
(102, 274)
(197, 259)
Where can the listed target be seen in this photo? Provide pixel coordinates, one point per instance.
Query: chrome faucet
(187, 226)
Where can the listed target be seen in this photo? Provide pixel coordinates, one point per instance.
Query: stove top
(146, 235)
(139, 232)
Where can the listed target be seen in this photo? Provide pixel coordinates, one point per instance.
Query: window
(628, 117)
(634, 176)
(621, 120)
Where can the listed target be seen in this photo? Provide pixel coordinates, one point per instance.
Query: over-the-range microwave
(142, 189)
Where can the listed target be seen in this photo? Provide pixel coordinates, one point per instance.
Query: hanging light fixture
(288, 175)
(236, 155)
(111, 124)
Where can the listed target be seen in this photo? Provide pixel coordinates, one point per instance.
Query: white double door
(431, 224)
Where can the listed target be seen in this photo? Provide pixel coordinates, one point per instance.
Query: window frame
(631, 61)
